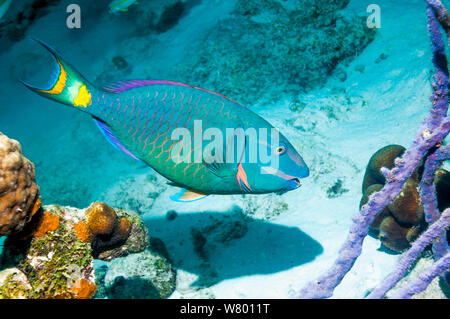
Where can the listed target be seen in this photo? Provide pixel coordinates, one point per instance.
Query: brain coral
(100, 218)
(112, 232)
(402, 221)
(19, 193)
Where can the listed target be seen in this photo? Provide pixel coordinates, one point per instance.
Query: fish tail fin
(67, 85)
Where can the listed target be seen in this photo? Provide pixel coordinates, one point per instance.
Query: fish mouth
(296, 182)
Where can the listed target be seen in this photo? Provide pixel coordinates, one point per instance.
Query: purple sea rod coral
(427, 145)
(429, 199)
(408, 258)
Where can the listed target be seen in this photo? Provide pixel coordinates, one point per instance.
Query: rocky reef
(294, 44)
(48, 260)
(55, 253)
(50, 249)
(19, 193)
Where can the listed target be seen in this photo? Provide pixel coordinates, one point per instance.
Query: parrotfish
(117, 6)
(4, 5)
(170, 126)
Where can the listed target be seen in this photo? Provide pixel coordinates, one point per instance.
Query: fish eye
(280, 150)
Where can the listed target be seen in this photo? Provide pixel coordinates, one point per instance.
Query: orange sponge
(83, 233)
(83, 289)
(47, 222)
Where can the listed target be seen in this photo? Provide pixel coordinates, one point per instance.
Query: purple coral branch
(431, 132)
(429, 199)
(425, 278)
(324, 286)
(439, 97)
(410, 256)
(441, 14)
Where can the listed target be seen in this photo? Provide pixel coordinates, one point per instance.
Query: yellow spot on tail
(83, 98)
(60, 83)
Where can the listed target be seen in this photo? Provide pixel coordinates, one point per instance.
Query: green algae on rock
(55, 262)
(54, 258)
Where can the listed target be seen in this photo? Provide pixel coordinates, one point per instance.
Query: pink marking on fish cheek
(284, 175)
(294, 156)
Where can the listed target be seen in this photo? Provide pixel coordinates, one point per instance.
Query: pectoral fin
(223, 169)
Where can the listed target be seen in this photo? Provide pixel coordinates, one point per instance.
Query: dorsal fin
(126, 85)
(106, 131)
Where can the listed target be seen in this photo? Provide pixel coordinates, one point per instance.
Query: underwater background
(338, 90)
